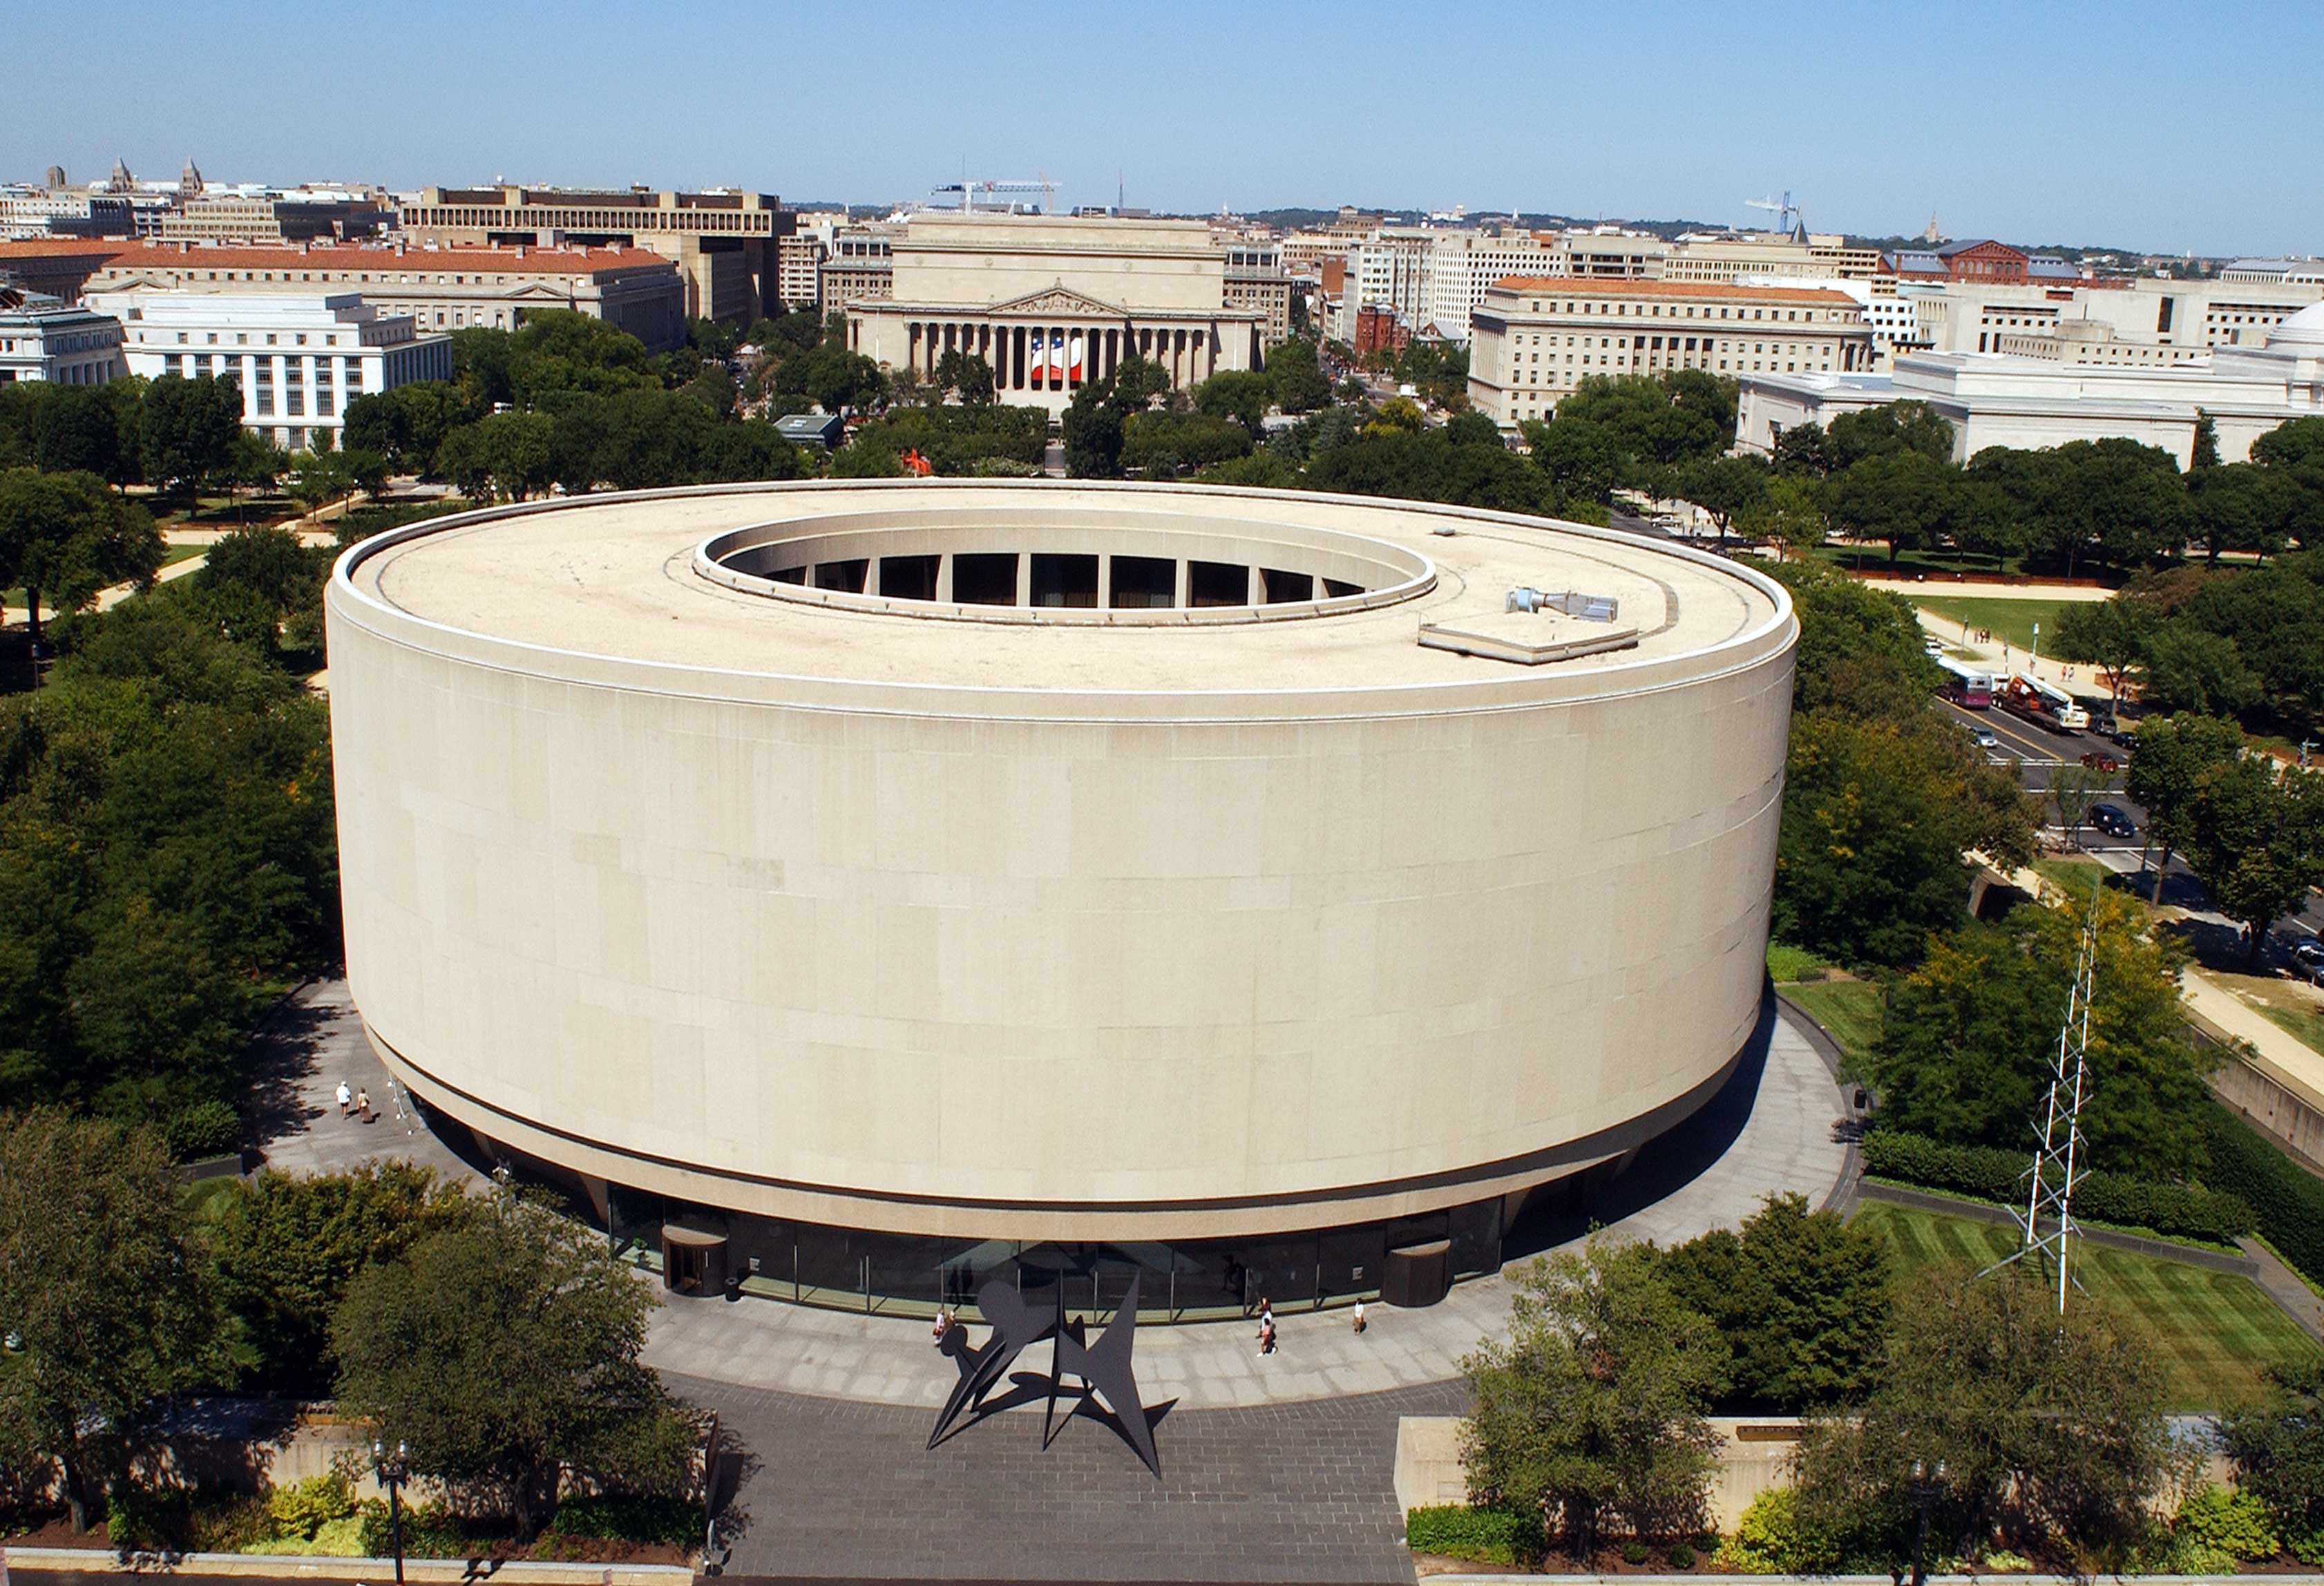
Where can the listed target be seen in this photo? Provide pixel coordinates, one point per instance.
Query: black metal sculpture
(1104, 1371)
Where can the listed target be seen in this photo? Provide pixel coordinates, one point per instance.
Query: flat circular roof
(616, 589)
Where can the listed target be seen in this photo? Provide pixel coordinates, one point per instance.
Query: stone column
(1025, 578)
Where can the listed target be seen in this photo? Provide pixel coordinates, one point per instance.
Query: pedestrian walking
(1356, 1320)
(943, 1326)
(1267, 1335)
(346, 1098)
(363, 1104)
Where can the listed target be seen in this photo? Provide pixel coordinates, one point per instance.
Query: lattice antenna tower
(2047, 1225)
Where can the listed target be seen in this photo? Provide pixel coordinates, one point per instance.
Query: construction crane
(969, 192)
(1786, 213)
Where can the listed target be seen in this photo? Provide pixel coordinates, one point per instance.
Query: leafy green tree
(1788, 514)
(1592, 1411)
(2111, 635)
(1157, 446)
(2073, 790)
(967, 376)
(2050, 1431)
(504, 1351)
(1296, 377)
(2241, 506)
(1242, 395)
(286, 1248)
(77, 430)
(2186, 667)
(2274, 617)
(1801, 1298)
(189, 432)
(1886, 430)
(1972, 1032)
(407, 423)
(1581, 460)
(2255, 838)
(64, 537)
(500, 455)
(2294, 451)
(1901, 496)
(107, 1309)
(1802, 449)
(1722, 486)
(2277, 1444)
(283, 576)
(2170, 759)
(835, 379)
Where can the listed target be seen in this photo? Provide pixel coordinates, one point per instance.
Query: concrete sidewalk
(2284, 1056)
(1767, 1134)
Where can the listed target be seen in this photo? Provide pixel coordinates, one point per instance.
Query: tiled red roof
(529, 261)
(63, 247)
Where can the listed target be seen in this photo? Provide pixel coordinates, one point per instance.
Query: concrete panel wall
(1033, 978)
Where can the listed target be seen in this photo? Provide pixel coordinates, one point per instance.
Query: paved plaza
(310, 1042)
(1769, 1131)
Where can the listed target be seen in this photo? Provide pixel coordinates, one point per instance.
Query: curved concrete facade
(1008, 928)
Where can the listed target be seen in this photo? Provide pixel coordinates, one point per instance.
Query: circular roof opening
(1078, 566)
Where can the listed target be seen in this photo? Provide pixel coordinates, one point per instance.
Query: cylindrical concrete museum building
(904, 881)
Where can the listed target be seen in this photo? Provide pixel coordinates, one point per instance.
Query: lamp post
(1925, 1487)
(394, 1473)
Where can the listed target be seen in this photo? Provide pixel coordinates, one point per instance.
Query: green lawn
(1851, 1010)
(2213, 1331)
(2308, 1025)
(2011, 620)
(1788, 962)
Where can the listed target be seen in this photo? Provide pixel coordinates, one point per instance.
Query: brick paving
(1295, 1492)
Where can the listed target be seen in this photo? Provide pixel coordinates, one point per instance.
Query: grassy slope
(2213, 1331)
(1850, 1011)
(2010, 620)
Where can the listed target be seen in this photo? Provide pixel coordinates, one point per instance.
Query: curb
(303, 1566)
(1979, 1579)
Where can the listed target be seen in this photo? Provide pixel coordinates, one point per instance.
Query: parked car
(2102, 759)
(1934, 645)
(2308, 958)
(2110, 819)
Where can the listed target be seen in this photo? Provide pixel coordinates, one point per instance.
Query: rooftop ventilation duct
(1589, 608)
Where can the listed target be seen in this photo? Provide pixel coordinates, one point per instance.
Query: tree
(1592, 1409)
(504, 1352)
(1886, 430)
(1971, 1033)
(2277, 1444)
(64, 537)
(505, 454)
(2255, 838)
(2186, 667)
(2073, 788)
(1788, 513)
(2241, 507)
(77, 430)
(190, 429)
(287, 1248)
(1801, 1298)
(107, 1306)
(1239, 394)
(2109, 634)
(967, 376)
(1901, 496)
(1296, 377)
(2171, 758)
(1723, 487)
(2050, 1431)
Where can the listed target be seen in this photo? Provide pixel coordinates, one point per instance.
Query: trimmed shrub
(1984, 1173)
(203, 1128)
(1769, 1540)
(2233, 1523)
(1680, 1555)
(1634, 1553)
(2288, 1201)
(625, 1519)
(1480, 1536)
(298, 1513)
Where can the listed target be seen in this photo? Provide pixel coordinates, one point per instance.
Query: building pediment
(1060, 299)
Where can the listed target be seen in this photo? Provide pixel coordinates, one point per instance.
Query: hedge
(1988, 1174)
(2288, 1199)
(1482, 1536)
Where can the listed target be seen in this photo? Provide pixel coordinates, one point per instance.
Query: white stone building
(1053, 302)
(300, 360)
(42, 337)
(439, 289)
(1994, 399)
(1535, 340)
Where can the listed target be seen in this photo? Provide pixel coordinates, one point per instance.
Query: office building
(1535, 340)
(438, 288)
(723, 242)
(45, 338)
(300, 360)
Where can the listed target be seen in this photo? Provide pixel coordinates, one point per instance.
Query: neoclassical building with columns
(1053, 302)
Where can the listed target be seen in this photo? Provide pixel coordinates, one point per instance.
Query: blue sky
(2170, 127)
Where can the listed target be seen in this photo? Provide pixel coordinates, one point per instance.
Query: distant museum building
(1054, 303)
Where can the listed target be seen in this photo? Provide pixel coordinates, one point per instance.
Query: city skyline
(2012, 122)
